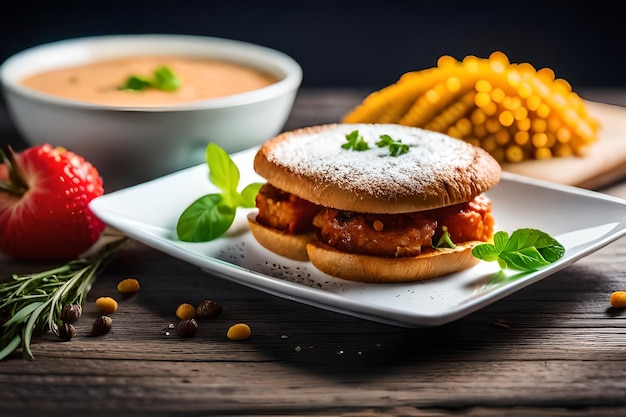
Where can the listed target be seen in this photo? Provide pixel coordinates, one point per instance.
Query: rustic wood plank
(552, 349)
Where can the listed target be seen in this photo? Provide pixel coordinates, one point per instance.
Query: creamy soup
(100, 82)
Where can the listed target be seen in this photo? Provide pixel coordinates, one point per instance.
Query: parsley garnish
(210, 216)
(163, 78)
(524, 250)
(355, 142)
(396, 147)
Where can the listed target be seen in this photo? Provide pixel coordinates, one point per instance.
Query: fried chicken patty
(388, 235)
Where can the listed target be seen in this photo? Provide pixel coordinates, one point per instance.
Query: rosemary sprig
(33, 302)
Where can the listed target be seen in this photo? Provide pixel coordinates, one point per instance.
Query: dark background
(355, 43)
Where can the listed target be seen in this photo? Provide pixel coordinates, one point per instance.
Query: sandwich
(374, 202)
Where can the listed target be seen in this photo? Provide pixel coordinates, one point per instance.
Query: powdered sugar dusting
(374, 171)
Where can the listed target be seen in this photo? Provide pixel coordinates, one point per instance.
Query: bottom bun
(284, 244)
(366, 268)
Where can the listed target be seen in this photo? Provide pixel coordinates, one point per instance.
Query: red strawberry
(44, 204)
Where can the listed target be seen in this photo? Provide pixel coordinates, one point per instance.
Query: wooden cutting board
(603, 165)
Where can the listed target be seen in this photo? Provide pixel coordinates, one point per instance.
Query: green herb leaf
(445, 241)
(525, 250)
(205, 219)
(355, 142)
(248, 195)
(163, 78)
(222, 170)
(210, 216)
(136, 83)
(396, 147)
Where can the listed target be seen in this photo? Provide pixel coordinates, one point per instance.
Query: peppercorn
(106, 305)
(239, 331)
(102, 325)
(71, 313)
(208, 309)
(67, 331)
(187, 328)
(185, 311)
(128, 286)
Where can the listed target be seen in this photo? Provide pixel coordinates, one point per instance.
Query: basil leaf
(205, 219)
(525, 250)
(222, 170)
(248, 195)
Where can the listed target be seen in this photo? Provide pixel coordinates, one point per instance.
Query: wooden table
(552, 349)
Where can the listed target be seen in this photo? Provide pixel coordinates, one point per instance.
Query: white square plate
(583, 221)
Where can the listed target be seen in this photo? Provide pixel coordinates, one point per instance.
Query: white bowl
(133, 144)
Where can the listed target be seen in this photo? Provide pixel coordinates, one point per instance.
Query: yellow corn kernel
(497, 95)
(618, 299)
(521, 137)
(520, 113)
(185, 311)
(543, 153)
(503, 137)
(514, 153)
(506, 118)
(563, 150)
(128, 286)
(106, 305)
(239, 331)
(539, 140)
(538, 125)
(453, 84)
(524, 124)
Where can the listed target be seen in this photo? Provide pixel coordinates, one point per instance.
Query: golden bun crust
(284, 244)
(374, 269)
(437, 171)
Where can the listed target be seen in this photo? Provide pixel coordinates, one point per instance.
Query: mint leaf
(525, 250)
(210, 216)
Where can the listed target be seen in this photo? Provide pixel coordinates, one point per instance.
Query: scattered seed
(102, 325)
(185, 311)
(618, 299)
(187, 328)
(67, 331)
(208, 309)
(106, 305)
(71, 313)
(128, 286)
(239, 331)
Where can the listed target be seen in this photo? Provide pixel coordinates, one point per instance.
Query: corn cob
(513, 111)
